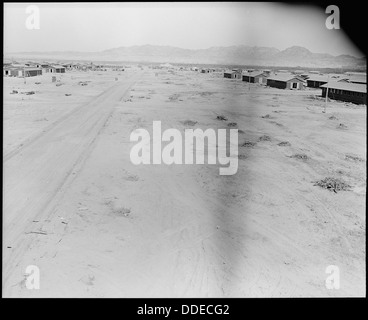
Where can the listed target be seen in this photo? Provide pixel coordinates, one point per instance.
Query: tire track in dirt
(35, 179)
(28, 142)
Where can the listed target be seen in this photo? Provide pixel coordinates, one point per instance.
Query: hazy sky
(100, 26)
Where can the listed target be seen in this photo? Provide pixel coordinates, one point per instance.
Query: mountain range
(234, 55)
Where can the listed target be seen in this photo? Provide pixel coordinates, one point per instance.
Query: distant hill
(240, 55)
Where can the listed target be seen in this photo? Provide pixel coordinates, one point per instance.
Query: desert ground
(97, 225)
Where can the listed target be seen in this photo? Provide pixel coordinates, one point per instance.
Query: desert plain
(96, 225)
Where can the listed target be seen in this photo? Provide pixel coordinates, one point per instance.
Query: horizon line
(153, 45)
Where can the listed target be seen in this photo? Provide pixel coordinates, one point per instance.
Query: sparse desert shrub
(248, 144)
(132, 178)
(353, 158)
(174, 97)
(189, 123)
(342, 126)
(205, 93)
(265, 138)
(284, 144)
(332, 184)
(125, 212)
(300, 156)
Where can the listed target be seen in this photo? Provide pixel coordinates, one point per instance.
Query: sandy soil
(98, 226)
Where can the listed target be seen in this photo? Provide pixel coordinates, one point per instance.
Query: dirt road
(37, 172)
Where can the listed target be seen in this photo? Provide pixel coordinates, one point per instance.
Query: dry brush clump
(117, 210)
(284, 144)
(174, 97)
(300, 156)
(248, 144)
(189, 122)
(206, 93)
(221, 117)
(265, 138)
(132, 178)
(353, 158)
(122, 211)
(342, 126)
(332, 184)
(232, 124)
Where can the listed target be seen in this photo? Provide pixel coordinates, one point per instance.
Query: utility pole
(248, 81)
(328, 80)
